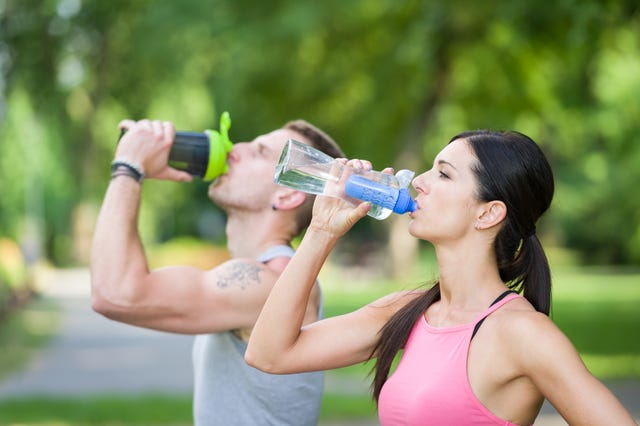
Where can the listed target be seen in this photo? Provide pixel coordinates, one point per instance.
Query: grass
(143, 410)
(596, 308)
(105, 410)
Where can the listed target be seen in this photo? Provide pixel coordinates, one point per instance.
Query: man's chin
(217, 182)
(213, 191)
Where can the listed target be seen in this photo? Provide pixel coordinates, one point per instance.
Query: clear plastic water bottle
(306, 169)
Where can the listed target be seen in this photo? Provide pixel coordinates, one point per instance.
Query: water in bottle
(307, 169)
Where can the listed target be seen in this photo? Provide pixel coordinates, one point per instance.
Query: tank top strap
(504, 298)
(275, 251)
(287, 251)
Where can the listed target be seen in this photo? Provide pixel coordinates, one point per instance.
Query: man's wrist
(125, 168)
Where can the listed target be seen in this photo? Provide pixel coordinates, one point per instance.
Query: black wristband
(124, 172)
(121, 167)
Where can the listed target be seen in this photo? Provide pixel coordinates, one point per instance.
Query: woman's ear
(288, 199)
(491, 215)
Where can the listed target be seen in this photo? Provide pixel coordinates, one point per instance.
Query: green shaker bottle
(203, 155)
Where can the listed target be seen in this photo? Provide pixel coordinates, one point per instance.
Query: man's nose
(236, 152)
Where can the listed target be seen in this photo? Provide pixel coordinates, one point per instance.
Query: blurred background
(391, 81)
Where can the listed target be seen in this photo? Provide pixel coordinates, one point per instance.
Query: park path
(92, 355)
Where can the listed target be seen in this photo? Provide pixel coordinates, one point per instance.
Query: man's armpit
(239, 274)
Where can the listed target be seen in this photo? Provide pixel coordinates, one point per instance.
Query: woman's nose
(419, 183)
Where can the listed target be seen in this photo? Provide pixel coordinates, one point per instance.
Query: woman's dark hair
(510, 168)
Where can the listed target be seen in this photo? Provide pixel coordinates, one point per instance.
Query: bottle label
(374, 192)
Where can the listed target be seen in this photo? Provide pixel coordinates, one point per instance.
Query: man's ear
(288, 199)
(492, 214)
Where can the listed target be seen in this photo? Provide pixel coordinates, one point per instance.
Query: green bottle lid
(219, 147)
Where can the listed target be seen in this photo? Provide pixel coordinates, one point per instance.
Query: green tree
(391, 81)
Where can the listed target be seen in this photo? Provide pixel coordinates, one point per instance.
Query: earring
(273, 207)
(476, 226)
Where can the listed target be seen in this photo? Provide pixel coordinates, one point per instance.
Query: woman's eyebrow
(447, 163)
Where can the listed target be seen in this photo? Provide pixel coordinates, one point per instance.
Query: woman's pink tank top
(430, 386)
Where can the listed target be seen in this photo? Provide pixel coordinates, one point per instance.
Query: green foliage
(15, 287)
(187, 251)
(391, 81)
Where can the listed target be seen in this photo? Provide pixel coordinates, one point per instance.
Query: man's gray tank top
(229, 392)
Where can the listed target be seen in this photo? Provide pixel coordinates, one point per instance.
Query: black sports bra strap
(502, 296)
(499, 298)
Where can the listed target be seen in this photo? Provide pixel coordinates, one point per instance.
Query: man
(220, 305)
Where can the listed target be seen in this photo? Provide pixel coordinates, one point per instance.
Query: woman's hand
(335, 215)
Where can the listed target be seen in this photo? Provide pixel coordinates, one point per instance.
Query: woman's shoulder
(523, 329)
(519, 316)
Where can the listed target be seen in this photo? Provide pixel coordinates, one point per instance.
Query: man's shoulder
(243, 272)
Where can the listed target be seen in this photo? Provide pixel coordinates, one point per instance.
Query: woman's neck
(468, 278)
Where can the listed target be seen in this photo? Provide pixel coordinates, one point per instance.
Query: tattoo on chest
(239, 275)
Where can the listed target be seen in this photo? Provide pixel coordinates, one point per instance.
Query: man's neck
(251, 233)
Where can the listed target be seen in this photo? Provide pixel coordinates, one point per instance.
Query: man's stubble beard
(222, 196)
(215, 193)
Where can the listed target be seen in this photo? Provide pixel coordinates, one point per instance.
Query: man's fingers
(169, 130)
(177, 175)
(157, 127)
(126, 124)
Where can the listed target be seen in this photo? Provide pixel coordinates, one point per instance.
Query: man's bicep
(188, 300)
(234, 294)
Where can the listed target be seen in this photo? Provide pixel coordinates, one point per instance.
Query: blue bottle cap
(405, 203)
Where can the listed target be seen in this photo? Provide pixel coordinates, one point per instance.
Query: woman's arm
(550, 360)
(277, 343)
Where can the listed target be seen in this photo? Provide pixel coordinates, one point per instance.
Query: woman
(474, 350)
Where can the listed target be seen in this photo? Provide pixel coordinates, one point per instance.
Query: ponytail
(536, 277)
(524, 267)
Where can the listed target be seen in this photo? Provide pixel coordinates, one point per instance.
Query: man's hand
(146, 144)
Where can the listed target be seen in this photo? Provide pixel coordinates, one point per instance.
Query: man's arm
(179, 299)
